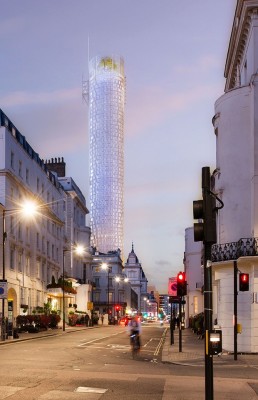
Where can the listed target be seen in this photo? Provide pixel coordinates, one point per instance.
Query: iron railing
(232, 251)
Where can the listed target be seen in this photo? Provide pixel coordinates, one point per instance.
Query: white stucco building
(33, 251)
(236, 180)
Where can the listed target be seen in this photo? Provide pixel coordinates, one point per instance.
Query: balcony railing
(232, 251)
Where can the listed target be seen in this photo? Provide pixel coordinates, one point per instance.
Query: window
(37, 240)
(11, 225)
(12, 159)
(27, 176)
(38, 268)
(12, 259)
(22, 293)
(27, 265)
(20, 168)
(97, 282)
(19, 231)
(38, 185)
(48, 248)
(96, 297)
(43, 244)
(27, 234)
(19, 262)
(195, 304)
(53, 252)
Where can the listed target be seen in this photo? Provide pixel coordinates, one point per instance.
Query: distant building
(106, 129)
(164, 304)
(112, 292)
(137, 278)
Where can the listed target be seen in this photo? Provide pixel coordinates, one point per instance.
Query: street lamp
(79, 250)
(28, 209)
(107, 268)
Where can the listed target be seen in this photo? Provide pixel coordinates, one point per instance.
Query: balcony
(245, 247)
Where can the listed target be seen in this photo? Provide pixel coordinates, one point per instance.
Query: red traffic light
(181, 284)
(181, 277)
(117, 308)
(243, 282)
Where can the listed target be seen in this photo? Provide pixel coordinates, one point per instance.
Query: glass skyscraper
(106, 132)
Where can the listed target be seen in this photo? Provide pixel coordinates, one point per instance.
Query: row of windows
(23, 264)
(56, 204)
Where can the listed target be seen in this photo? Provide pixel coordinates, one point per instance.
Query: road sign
(175, 300)
(3, 289)
(90, 305)
(172, 286)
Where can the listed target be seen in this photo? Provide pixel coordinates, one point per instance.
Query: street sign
(90, 305)
(175, 300)
(172, 286)
(3, 289)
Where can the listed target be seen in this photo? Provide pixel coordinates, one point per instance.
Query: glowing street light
(28, 209)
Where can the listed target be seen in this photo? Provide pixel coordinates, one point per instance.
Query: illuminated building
(106, 131)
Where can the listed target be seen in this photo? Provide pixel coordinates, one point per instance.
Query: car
(124, 320)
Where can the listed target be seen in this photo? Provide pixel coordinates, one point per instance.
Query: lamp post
(28, 209)
(107, 268)
(79, 250)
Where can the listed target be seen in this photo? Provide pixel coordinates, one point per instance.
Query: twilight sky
(174, 54)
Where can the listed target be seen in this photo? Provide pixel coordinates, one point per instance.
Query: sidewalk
(51, 332)
(193, 352)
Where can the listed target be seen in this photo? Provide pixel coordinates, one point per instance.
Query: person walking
(87, 319)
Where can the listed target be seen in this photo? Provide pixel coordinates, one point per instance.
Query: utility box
(239, 328)
(215, 342)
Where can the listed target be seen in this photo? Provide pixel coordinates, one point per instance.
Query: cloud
(21, 98)
(154, 104)
(163, 263)
(204, 64)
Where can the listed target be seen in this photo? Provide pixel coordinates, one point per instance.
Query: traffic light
(117, 308)
(205, 210)
(181, 284)
(243, 282)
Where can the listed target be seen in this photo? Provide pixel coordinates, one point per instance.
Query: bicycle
(135, 343)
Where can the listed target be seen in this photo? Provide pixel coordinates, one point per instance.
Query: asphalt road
(97, 364)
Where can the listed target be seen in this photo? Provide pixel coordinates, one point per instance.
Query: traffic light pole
(180, 324)
(235, 310)
(208, 321)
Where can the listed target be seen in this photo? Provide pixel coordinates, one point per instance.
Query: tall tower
(106, 131)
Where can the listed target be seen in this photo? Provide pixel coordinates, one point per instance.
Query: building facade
(106, 130)
(236, 182)
(32, 250)
(137, 278)
(112, 291)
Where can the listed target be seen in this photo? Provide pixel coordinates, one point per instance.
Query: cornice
(246, 10)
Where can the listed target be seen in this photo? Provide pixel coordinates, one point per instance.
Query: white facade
(137, 278)
(36, 249)
(33, 249)
(106, 128)
(236, 180)
(194, 275)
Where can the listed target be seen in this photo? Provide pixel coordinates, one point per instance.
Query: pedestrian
(87, 319)
(102, 318)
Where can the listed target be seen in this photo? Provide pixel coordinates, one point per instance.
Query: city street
(97, 364)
